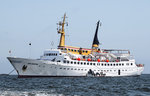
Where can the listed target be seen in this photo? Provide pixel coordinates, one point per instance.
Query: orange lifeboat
(107, 60)
(98, 60)
(88, 59)
(78, 59)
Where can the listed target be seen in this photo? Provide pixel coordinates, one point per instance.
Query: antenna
(30, 49)
(10, 53)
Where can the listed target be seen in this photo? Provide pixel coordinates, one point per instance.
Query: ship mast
(61, 31)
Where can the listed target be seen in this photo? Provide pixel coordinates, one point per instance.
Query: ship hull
(45, 68)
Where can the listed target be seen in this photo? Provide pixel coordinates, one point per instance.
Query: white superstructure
(75, 61)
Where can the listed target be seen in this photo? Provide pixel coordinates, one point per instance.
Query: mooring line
(11, 72)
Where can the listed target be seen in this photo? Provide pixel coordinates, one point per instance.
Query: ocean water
(75, 86)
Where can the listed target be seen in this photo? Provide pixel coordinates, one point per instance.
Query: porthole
(64, 61)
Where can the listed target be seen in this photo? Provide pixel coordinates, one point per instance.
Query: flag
(9, 51)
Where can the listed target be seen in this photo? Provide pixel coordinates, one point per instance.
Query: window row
(93, 70)
(98, 64)
(50, 54)
(74, 50)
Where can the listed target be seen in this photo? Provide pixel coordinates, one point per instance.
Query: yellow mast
(62, 32)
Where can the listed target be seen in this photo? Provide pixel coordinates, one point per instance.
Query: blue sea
(11, 85)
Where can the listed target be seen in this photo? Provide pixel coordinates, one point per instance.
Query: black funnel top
(95, 41)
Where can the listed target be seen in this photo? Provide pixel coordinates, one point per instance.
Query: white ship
(76, 61)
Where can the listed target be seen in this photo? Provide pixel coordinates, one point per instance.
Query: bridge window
(74, 62)
(72, 50)
(86, 51)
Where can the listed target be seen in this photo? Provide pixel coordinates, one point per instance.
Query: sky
(125, 25)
